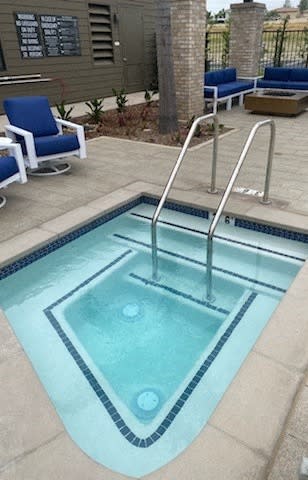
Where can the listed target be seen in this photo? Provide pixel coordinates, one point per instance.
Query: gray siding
(82, 77)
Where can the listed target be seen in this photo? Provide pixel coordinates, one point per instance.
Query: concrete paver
(27, 418)
(253, 407)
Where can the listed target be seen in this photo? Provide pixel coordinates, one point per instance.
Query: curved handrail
(227, 192)
(172, 178)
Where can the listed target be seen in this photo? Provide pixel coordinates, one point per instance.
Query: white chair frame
(14, 150)
(31, 159)
(228, 98)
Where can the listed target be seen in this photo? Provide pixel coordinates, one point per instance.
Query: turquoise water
(134, 366)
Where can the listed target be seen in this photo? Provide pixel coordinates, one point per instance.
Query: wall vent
(101, 33)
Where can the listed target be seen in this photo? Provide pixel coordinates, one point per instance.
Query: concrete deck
(259, 429)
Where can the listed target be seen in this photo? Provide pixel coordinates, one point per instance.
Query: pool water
(135, 366)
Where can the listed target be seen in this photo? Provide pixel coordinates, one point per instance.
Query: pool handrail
(265, 200)
(172, 178)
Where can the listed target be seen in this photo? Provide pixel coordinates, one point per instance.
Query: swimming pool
(143, 372)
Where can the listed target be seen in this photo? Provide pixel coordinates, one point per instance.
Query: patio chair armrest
(212, 88)
(11, 131)
(79, 132)
(15, 150)
(254, 78)
(66, 123)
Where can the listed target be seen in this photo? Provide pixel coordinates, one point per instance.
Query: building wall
(82, 77)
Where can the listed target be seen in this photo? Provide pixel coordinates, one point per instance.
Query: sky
(216, 5)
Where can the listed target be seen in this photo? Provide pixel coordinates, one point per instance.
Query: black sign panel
(47, 35)
(61, 35)
(29, 35)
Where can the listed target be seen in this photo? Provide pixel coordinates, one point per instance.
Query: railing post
(227, 192)
(265, 200)
(213, 188)
(171, 180)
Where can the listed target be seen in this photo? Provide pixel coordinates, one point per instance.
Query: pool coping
(282, 368)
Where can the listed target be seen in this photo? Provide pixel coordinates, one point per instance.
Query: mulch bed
(140, 122)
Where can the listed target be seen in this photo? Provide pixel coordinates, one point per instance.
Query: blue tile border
(226, 239)
(58, 243)
(130, 436)
(272, 230)
(102, 396)
(202, 264)
(69, 237)
(179, 293)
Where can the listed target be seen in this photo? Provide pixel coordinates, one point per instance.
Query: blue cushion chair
(33, 125)
(223, 85)
(12, 168)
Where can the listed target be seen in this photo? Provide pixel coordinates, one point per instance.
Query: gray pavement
(44, 206)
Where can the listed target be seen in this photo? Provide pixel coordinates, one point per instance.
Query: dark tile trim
(179, 293)
(229, 240)
(101, 394)
(203, 264)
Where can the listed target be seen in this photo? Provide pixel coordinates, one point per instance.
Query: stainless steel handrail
(172, 178)
(225, 197)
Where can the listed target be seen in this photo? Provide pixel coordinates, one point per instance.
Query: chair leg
(241, 100)
(229, 103)
(49, 168)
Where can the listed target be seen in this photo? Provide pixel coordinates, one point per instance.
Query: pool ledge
(245, 426)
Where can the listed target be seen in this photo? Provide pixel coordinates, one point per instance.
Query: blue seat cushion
(299, 75)
(51, 145)
(216, 77)
(229, 88)
(8, 167)
(298, 85)
(32, 114)
(272, 84)
(277, 73)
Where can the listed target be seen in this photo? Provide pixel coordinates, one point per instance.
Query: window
(101, 33)
(2, 62)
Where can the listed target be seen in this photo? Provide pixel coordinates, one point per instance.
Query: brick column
(246, 26)
(188, 44)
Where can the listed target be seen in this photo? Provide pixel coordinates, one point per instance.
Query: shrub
(96, 109)
(121, 99)
(63, 111)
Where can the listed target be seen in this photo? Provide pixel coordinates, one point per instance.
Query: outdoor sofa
(223, 85)
(284, 78)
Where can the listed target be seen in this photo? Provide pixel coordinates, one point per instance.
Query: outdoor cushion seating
(223, 85)
(12, 168)
(40, 134)
(284, 78)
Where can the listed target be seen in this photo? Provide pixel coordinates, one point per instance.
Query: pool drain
(131, 311)
(148, 400)
(147, 404)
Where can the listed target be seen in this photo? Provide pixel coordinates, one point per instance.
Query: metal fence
(284, 48)
(280, 48)
(216, 50)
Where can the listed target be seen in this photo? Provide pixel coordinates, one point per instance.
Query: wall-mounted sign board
(47, 35)
(29, 35)
(60, 35)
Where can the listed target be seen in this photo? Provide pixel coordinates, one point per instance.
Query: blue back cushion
(220, 76)
(277, 73)
(32, 114)
(299, 75)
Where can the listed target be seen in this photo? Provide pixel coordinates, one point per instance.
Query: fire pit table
(277, 102)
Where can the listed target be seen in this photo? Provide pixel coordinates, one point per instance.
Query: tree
(303, 5)
(168, 122)
(287, 4)
(272, 15)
